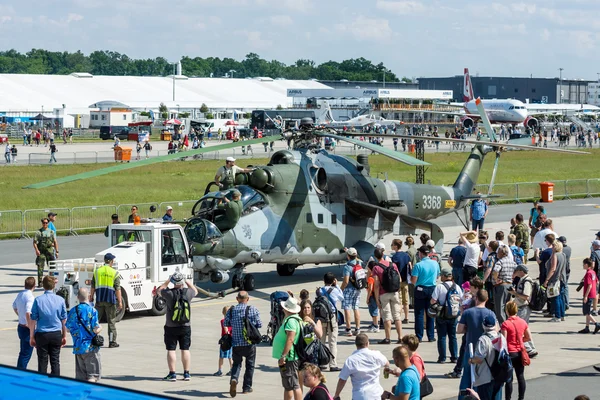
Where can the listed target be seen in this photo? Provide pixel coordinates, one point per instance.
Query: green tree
(203, 108)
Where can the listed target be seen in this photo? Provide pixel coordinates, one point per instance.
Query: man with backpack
(284, 351)
(177, 324)
(491, 361)
(448, 294)
(355, 279)
(424, 277)
(236, 318)
(326, 310)
(387, 284)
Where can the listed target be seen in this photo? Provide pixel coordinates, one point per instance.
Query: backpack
(453, 302)
(359, 277)
(501, 368)
(390, 279)
(311, 393)
(250, 331)
(538, 297)
(517, 257)
(322, 308)
(181, 307)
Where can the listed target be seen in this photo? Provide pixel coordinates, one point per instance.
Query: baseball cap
(352, 252)
(598, 234)
(109, 256)
(177, 278)
(446, 271)
(522, 268)
(596, 243)
(230, 159)
(489, 321)
(430, 243)
(115, 216)
(380, 245)
(169, 208)
(51, 214)
(236, 193)
(562, 239)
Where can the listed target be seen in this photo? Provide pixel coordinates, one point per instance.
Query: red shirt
(515, 329)
(589, 279)
(225, 329)
(417, 361)
(378, 272)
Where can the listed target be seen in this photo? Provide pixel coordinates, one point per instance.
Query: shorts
(390, 307)
(534, 230)
(351, 298)
(289, 375)
(373, 309)
(178, 334)
(587, 307)
(226, 354)
(88, 366)
(404, 293)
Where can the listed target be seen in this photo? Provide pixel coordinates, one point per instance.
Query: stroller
(277, 315)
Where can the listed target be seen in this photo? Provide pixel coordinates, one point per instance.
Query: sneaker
(172, 377)
(597, 328)
(562, 319)
(452, 375)
(453, 360)
(594, 313)
(548, 315)
(441, 361)
(218, 373)
(186, 376)
(229, 373)
(586, 330)
(334, 369)
(233, 388)
(432, 340)
(384, 341)
(372, 328)
(555, 320)
(356, 332)
(247, 391)
(348, 332)
(405, 321)
(113, 345)
(533, 353)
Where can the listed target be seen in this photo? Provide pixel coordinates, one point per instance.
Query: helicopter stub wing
(394, 155)
(149, 161)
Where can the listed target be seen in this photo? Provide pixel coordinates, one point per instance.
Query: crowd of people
(484, 292)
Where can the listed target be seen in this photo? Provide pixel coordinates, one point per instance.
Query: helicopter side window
(320, 218)
(172, 247)
(333, 219)
(309, 218)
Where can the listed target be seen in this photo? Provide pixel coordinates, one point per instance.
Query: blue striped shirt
(48, 310)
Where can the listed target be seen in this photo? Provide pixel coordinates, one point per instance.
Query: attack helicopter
(307, 205)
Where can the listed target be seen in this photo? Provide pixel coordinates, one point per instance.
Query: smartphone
(463, 392)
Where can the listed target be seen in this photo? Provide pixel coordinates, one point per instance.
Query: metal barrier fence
(72, 220)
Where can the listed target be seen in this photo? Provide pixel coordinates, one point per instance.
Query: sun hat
(291, 305)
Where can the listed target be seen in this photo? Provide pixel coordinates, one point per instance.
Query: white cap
(230, 159)
(380, 245)
(169, 208)
(352, 252)
(430, 243)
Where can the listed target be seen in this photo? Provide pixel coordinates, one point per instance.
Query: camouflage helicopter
(307, 204)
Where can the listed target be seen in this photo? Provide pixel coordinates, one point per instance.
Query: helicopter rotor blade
(395, 155)
(485, 120)
(149, 161)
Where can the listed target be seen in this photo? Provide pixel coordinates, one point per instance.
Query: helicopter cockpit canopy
(206, 207)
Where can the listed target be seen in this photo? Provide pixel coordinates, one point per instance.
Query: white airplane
(356, 122)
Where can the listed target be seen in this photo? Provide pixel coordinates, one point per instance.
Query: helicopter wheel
(286, 269)
(248, 282)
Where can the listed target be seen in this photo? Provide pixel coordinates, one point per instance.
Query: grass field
(187, 180)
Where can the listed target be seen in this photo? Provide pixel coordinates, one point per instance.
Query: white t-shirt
(472, 254)
(23, 304)
(539, 240)
(363, 367)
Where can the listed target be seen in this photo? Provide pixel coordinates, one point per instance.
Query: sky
(413, 38)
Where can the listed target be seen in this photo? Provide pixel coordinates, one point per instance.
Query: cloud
(72, 17)
(213, 19)
(401, 7)
(545, 34)
(281, 20)
(524, 8)
(255, 39)
(367, 29)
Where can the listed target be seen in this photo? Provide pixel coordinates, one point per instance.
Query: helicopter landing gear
(242, 281)
(286, 269)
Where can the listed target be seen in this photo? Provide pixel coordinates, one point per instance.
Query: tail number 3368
(432, 202)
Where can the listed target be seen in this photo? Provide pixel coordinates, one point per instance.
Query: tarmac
(561, 371)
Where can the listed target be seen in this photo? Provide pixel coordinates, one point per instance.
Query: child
(412, 343)
(467, 295)
(589, 294)
(371, 302)
(224, 354)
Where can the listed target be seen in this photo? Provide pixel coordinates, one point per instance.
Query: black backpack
(390, 279)
(538, 297)
(181, 307)
(306, 334)
(322, 308)
(358, 278)
(501, 368)
(251, 332)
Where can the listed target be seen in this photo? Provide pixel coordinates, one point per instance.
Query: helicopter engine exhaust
(363, 160)
(219, 277)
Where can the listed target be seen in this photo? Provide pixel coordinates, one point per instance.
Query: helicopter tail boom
(466, 180)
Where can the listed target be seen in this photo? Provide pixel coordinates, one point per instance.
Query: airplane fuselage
(500, 111)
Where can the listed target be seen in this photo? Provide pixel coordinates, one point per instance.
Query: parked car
(109, 132)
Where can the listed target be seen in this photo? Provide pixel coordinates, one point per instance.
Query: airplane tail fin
(327, 114)
(468, 94)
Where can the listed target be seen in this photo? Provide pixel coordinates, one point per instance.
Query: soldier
(45, 246)
(225, 177)
(233, 211)
(106, 284)
(522, 234)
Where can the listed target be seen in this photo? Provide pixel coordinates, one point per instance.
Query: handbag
(553, 290)
(426, 387)
(226, 342)
(97, 340)
(525, 360)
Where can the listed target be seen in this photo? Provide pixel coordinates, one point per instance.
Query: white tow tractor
(146, 255)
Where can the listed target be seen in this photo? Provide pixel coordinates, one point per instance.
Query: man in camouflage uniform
(45, 246)
(521, 232)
